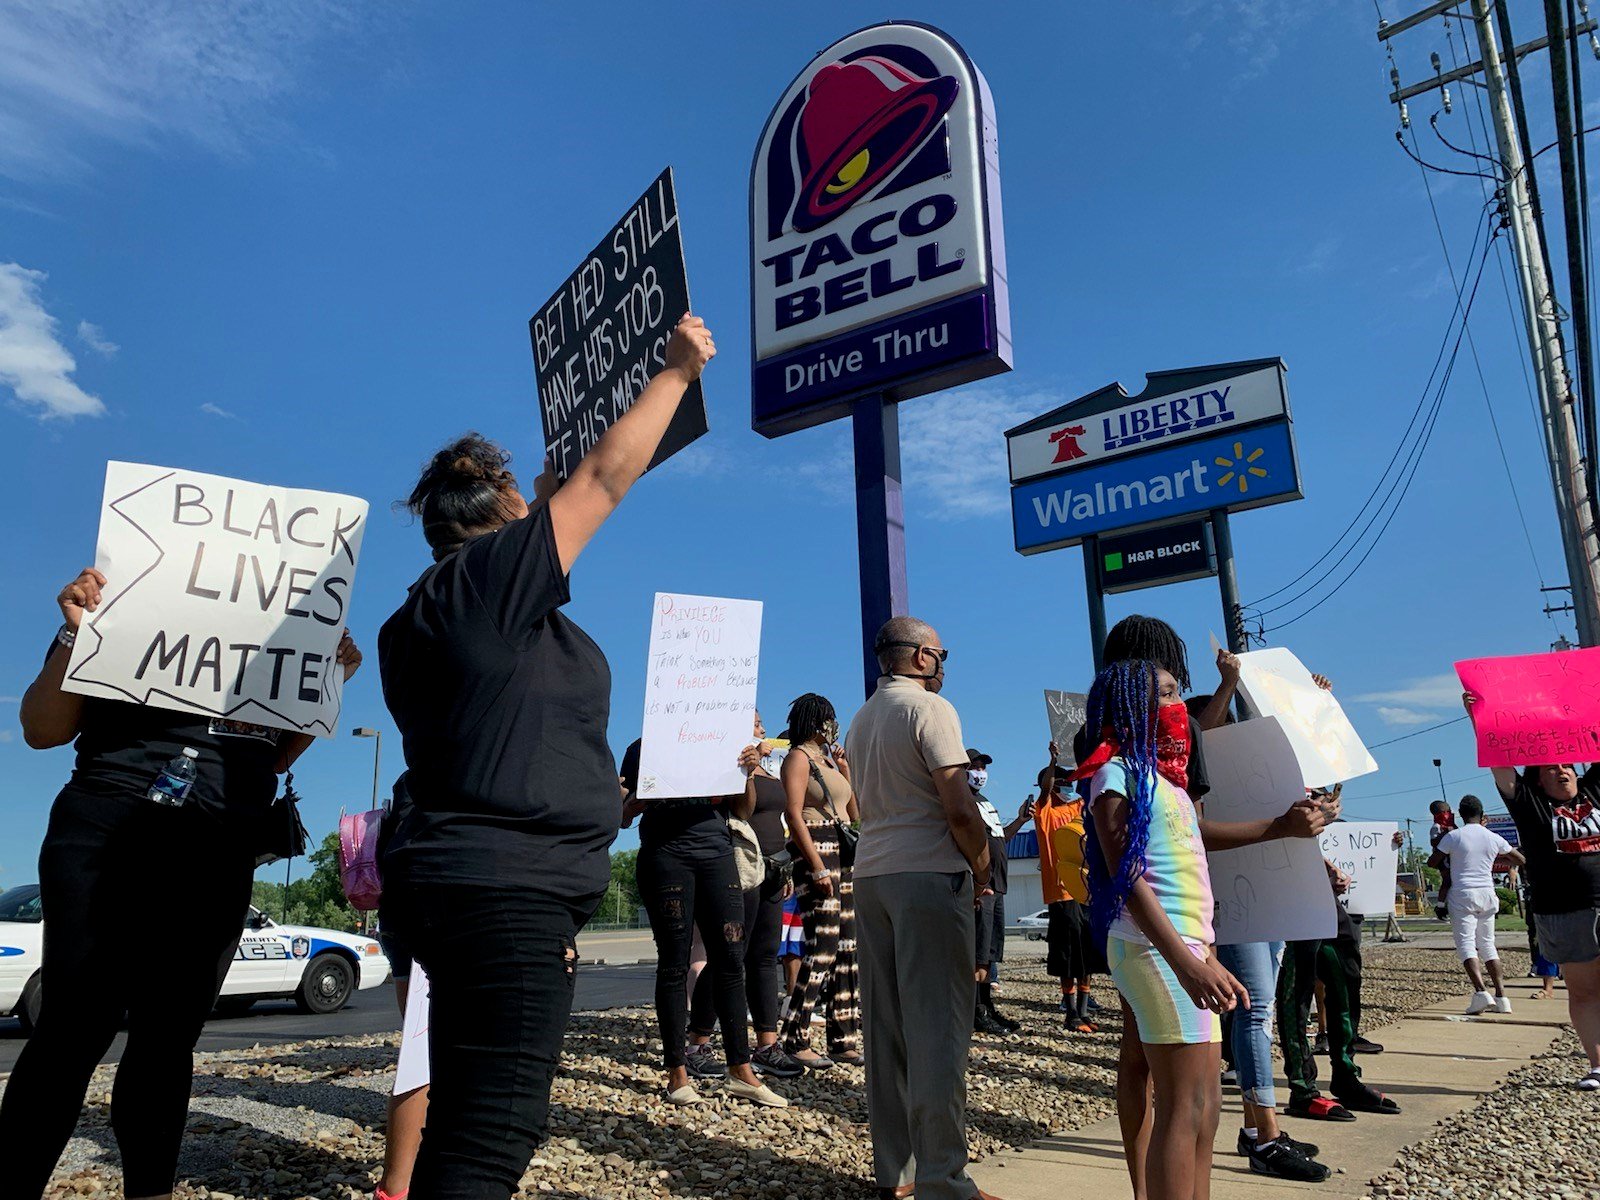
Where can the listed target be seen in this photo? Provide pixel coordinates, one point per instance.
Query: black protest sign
(603, 335)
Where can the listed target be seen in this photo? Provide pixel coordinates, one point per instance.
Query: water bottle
(176, 781)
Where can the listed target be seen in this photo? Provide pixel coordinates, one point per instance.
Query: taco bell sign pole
(877, 265)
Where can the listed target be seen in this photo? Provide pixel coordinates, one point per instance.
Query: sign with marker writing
(1365, 851)
(222, 598)
(1067, 712)
(700, 695)
(1534, 709)
(1277, 684)
(603, 336)
(1270, 891)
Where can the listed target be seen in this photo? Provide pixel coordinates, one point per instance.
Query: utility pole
(1579, 536)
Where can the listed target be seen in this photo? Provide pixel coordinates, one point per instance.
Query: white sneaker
(1590, 1082)
(1481, 1002)
(1502, 1004)
(762, 1095)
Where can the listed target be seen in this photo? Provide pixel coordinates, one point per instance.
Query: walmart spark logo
(1238, 467)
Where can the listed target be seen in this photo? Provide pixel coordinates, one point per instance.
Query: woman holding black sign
(153, 795)
(502, 702)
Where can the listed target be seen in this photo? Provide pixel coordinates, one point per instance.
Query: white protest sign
(1365, 851)
(699, 696)
(415, 1068)
(1067, 711)
(223, 598)
(1271, 891)
(1325, 743)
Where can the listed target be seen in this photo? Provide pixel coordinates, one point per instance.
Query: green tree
(622, 898)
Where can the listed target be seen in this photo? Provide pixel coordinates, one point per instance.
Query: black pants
(501, 965)
(763, 927)
(682, 892)
(99, 852)
(1337, 963)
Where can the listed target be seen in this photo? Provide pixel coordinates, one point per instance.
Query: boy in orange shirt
(1072, 956)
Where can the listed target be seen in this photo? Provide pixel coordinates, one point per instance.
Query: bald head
(897, 642)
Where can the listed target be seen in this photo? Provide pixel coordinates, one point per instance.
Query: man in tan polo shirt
(923, 848)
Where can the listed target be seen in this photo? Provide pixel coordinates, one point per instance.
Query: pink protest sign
(1535, 708)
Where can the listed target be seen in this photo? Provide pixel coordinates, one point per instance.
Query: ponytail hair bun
(466, 489)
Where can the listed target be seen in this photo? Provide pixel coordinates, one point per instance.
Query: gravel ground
(1533, 1137)
(306, 1120)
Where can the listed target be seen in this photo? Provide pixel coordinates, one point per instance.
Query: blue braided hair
(1123, 700)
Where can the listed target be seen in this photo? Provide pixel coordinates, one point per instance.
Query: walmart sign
(1234, 470)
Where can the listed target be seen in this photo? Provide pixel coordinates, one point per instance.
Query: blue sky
(299, 242)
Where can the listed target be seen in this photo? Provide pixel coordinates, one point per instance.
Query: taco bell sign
(877, 257)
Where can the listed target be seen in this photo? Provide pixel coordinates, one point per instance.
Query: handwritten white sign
(415, 1067)
(1325, 743)
(222, 598)
(1365, 851)
(1271, 891)
(700, 695)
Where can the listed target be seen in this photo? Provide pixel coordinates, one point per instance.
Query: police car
(317, 968)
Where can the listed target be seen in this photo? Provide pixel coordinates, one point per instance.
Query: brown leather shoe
(902, 1192)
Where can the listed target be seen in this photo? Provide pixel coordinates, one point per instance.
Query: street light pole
(1438, 765)
(377, 755)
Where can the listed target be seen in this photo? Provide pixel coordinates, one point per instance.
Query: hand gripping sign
(223, 598)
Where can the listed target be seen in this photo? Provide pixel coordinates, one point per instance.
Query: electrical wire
(1408, 470)
(1427, 787)
(1418, 732)
(1384, 474)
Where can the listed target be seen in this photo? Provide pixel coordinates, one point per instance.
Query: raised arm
(600, 481)
(961, 814)
(50, 716)
(1505, 779)
(1215, 713)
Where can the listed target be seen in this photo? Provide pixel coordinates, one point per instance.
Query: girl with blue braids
(1150, 900)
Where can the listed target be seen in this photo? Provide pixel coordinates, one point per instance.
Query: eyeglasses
(939, 652)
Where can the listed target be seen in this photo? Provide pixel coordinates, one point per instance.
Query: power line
(1418, 732)
(1406, 476)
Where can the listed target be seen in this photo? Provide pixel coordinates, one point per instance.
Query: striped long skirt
(828, 973)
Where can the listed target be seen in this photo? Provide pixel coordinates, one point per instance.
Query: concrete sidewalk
(1437, 1063)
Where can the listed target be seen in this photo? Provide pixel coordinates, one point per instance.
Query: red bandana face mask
(1172, 747)
(1172, 744)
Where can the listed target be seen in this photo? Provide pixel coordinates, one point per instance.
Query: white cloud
(33, 362)
(92, 336)
(1429, 691)
(953, 446)
(7, 737)
(1405, 716)
(144, 71)
(10, 699)
(216, 410)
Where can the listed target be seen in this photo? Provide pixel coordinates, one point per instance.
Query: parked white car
(317, 968)
(1034, 924)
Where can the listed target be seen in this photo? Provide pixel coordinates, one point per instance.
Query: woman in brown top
(821, 808)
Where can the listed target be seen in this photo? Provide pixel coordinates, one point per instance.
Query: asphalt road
(275, 1021)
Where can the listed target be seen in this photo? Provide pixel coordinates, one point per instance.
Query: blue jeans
(1254, 964)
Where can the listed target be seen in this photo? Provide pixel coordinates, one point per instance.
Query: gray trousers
(915, 937)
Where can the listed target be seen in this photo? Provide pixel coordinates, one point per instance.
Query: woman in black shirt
(1557, 812)
(502, 704)
(105, 842)
(763, 925)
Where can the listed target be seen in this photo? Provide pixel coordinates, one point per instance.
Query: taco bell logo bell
(871, 194)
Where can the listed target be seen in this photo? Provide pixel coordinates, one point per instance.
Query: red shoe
(1320, 1108)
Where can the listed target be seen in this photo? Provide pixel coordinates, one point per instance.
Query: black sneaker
(1303, 1149)
(702, 1064)
(1365, 1046)
(771, 1060)
(1277, 1159)
(983, 1021)
(1319, 1044)
(1006, 1024)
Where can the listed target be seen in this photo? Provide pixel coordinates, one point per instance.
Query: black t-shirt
(122, 747)
(1199, 781)
(502, 702)
(1563, 872)
(767, 819)
(692, 828)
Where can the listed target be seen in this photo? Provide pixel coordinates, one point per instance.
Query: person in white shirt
(1472, 851)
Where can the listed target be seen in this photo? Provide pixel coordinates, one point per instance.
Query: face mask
(977, 778)
(1172, 743)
